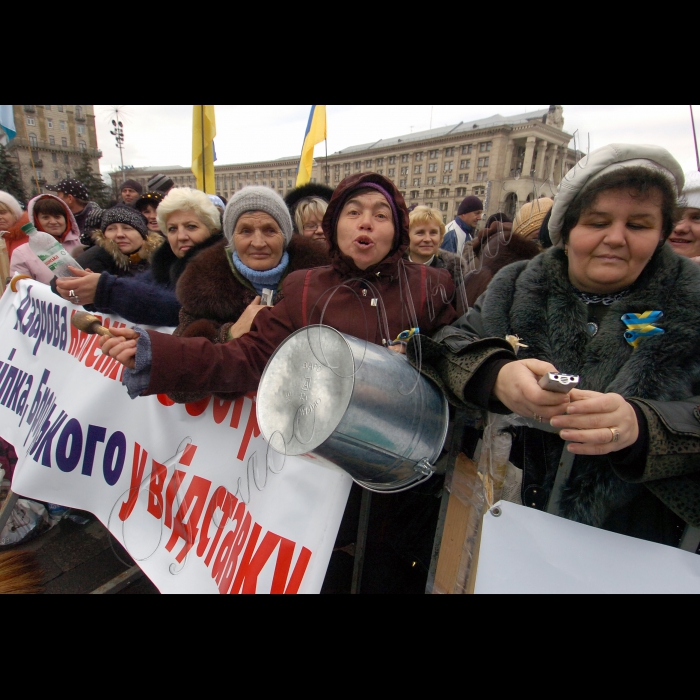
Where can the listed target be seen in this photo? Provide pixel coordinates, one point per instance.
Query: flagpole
(695, 137)
(328, 179)
(204, 158)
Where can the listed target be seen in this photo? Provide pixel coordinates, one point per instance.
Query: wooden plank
(461, 524)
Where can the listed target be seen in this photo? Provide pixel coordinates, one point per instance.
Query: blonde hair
(10, 204)
(426, 215)
(308, 207)
(187, 199)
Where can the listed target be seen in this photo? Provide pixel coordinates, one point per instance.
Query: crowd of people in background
(623, 237)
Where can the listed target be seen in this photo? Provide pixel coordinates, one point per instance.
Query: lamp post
(118, 134)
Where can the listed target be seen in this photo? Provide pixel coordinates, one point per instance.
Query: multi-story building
(506, 161)
(50, 140)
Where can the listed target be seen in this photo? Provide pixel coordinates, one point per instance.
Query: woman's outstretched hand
(245, 322)
(592, 420)
(83, 284)
(517, 388)
(122, 347)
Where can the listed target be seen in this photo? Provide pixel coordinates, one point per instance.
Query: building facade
(507, 161)
(50, 141)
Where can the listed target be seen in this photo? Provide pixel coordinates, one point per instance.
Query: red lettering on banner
(299, 571)
(222, 500)
(222, 556)
(137, 469)
(220, 410)
(227, 571)
(254, 561)
(94, 351)
(173, 485)
(237, 410)
(198, 407)
(165, 401)
(251, 430)
(188, 455)
(282, 566)
(195, 497)
(155, 489)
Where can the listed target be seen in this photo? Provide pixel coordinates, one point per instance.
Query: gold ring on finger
(538, 418)
(615, 434)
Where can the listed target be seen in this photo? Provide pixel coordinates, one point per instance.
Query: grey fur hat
(258, 199)
(603, 161)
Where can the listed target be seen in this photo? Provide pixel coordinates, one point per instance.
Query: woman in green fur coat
(612, 303)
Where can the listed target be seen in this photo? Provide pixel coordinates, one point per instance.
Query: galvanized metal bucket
(356, 404)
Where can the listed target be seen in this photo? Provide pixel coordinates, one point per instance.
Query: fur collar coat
(213, 294)
(536, 302)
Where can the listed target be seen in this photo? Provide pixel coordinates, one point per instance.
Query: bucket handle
(424, 471)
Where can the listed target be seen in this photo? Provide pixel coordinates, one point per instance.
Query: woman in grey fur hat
(612, 303)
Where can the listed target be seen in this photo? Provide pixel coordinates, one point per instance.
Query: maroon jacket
(339, 295)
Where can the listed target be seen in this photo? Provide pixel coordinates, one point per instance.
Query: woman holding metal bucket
(369, 291)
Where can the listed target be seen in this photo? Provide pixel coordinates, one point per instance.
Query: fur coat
(149, 298)
(213, 294)
(536, 302)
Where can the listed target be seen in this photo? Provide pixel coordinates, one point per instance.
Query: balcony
(18, 142)
(80, 118)
(30, 108)
(38, 163)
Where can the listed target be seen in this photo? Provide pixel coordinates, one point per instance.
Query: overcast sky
(161, 135)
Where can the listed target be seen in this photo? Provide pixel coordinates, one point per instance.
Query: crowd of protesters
(236, 278)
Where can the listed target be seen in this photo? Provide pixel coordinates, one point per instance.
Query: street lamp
(118, 134)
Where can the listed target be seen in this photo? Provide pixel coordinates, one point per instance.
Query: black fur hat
(311, 190)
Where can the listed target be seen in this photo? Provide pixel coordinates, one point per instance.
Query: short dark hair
(640, 182)
(51, 207)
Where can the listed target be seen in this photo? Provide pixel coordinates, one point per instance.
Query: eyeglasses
(312, 227)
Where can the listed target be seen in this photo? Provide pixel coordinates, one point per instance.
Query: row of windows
(31, 121)
(34, 142)
(60, 108)
(406, 158)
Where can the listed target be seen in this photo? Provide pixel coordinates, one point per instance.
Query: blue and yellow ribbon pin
(642, 326)
(406, 336)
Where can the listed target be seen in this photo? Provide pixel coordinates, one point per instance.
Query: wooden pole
(204, 158)
(695, 137)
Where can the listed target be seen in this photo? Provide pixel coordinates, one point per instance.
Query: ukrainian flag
(315, 133)
(203, 154)
(7, 124)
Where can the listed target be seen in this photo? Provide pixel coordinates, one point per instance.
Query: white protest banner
(526, 551)
(192, 492)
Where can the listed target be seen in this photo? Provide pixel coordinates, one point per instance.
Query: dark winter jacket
(457, 267)
(150, 297)
(339, 295)
(89, 220)
(536, 302)
(490, 252)
(105, 256)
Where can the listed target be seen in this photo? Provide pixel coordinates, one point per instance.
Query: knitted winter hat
(529, 219)
(691, 191)
(469, 205)
(122, 214)
(258, 199)
(133, 185)
(160, 183)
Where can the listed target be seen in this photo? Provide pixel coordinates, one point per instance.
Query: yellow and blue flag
(203, 153)
(7, 124)
(315, 134)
